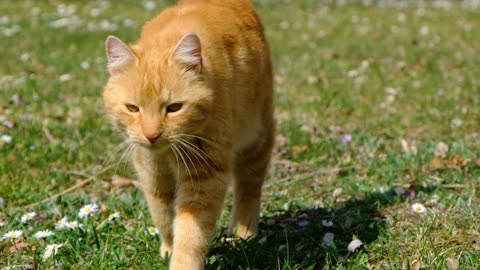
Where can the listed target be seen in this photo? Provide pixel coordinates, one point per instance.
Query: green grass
(428, 55)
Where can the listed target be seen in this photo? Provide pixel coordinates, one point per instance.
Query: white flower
(424, 30)
(354, 245)
(327, 223)
(85, 65)
(152, 230)
(327, 239)
(28, 216)
(5, 138)
(51, 249)
(456, 123)
(401, 18)
(418, 208)
(88, 210)
(352, 73)
(12, 235)
(113, 216)
(61, 224)
(65, 77)
(73, 225)
(149, 5)
(43, 234)
(391, 91)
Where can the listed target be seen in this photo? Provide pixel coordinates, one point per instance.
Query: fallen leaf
(457, 161)
(336, 193)
(17, 245)
(436, 164)
(408, 148)
(297, 150)
(452, 263)
(477, 162)
(415, 265)
(454, 162)
(475, 245)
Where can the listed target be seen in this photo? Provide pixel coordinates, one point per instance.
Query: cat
(194, 100)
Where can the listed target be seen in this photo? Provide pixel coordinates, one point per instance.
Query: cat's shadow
(304, 238)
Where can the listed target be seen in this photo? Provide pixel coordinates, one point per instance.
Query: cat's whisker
(176, 158)
(192, 151)
(129, 153)
(177, 147)
(193, 164)
(197, 137)
(195, 151)
(199, 149)
(128, 150)
(114, 151)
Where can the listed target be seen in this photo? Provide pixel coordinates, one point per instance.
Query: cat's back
(215, 21)
(218, 12)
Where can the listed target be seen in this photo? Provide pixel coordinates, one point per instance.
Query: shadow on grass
(296, 241)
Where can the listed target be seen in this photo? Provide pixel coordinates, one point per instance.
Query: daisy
(5, 138)
(113, 216)
(354, 245)
(88, 210)
(418, 208)
(51, 249)
(61, 224)
(72, 225)
(327, 223)
(152, 230)
(43, 234)
(12, 235)
(28, 216)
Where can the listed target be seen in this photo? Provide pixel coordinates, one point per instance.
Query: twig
(49, 136)
(70, 189)
(309, 174)
(456, 186)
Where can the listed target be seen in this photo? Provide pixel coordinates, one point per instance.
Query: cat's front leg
(198, 206)
(158, 187)
(161, 210)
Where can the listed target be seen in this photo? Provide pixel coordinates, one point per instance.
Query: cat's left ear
(188, 52)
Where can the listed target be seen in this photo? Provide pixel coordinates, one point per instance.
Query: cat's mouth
(159, 145)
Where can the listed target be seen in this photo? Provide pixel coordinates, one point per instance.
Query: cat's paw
(243, 232)
(165, 250)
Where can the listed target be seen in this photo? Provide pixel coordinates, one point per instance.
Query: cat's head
(157, 94)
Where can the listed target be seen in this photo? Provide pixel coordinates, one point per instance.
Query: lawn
(377, 108)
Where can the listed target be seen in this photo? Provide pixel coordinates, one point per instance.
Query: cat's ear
(119, 55)
(188, 52)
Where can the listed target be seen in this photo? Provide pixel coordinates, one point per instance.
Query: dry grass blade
(68, 190)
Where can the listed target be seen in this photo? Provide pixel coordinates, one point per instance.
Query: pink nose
(153, 137)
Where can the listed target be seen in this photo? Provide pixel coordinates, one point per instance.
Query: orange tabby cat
(194, 99)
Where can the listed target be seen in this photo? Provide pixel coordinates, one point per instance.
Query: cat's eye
(132, 108)
(174, 107)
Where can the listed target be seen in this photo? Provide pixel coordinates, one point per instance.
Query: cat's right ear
(119, 55)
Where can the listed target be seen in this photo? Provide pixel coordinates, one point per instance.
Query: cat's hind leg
(250, 170)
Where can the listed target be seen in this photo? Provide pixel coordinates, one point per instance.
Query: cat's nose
(152, 137)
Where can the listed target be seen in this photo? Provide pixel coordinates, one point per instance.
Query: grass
(384, 75)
